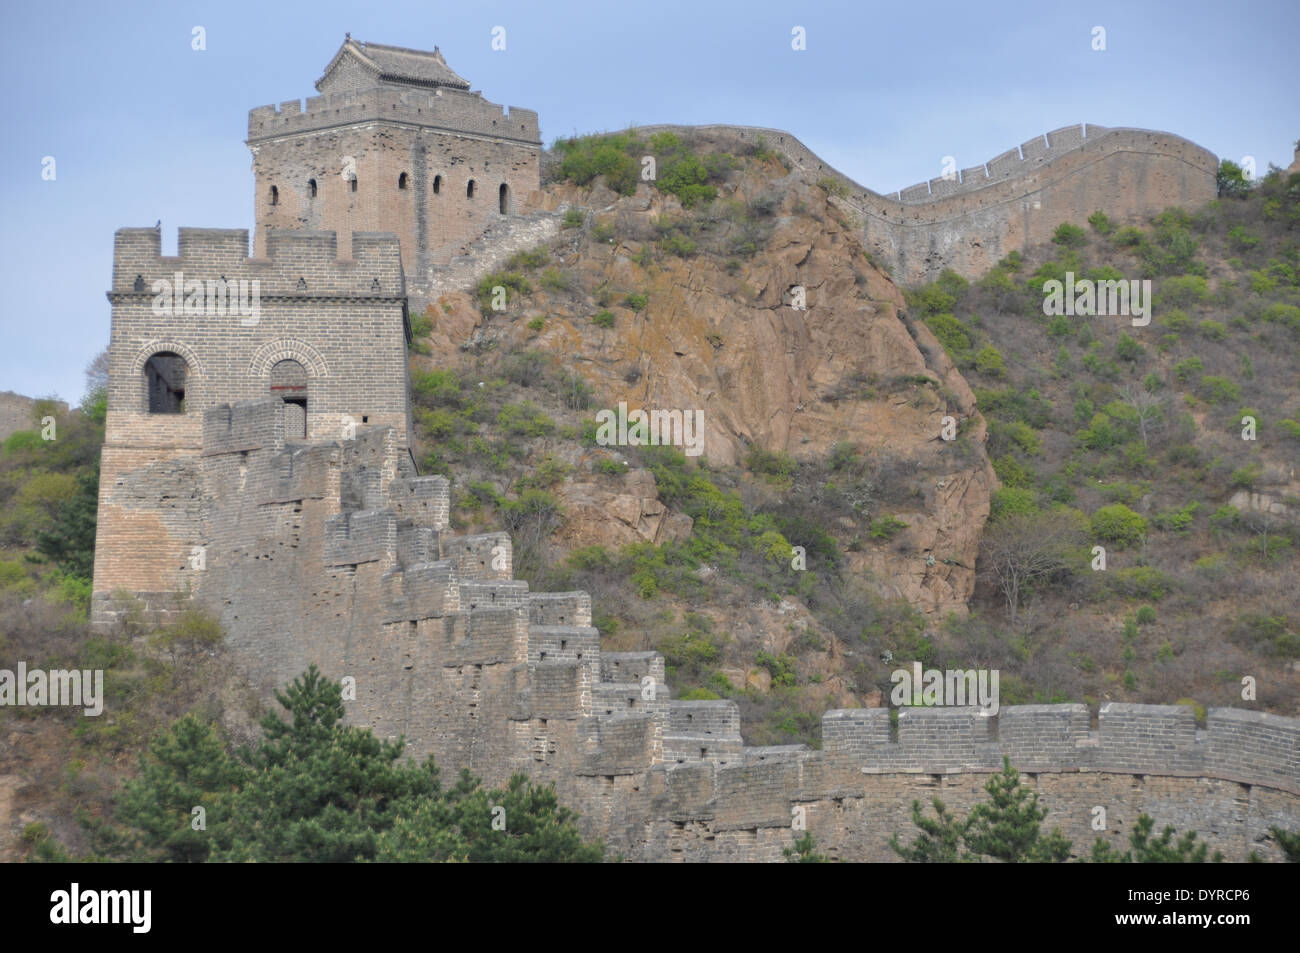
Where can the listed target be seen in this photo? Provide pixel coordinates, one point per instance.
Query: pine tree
(186, 767)
(1007, 826)
(1289, 841)
(804, 851)
(1162, 850)
(940, 840)
(318, 790)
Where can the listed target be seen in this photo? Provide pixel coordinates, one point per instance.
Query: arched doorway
(289, 383)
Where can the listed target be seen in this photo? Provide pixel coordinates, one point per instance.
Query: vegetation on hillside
(1130, 438)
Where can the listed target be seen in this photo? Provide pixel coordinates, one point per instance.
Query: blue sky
(142, 127)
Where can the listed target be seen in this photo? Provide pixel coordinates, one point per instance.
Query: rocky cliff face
(719, 332)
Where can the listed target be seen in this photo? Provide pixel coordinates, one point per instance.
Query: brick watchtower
(396, 142)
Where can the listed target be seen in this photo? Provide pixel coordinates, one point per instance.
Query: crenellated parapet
(974, 217)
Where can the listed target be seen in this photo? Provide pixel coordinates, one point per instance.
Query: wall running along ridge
(1013, 201)
(336, 552)
(329, 548)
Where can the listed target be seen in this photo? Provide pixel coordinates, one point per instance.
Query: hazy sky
(143, 127)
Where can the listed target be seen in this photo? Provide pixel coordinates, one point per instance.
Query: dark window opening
(352, 183)
(275, 195)
(437, 184)
(164, 380)
(311, 188)
(503, 198)
(401, 181)
(469, 189)
(289, 383)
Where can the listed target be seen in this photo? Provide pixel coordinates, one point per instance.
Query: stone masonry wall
(344, 322)
(399, 160)
(1013, 201)
(466, 664)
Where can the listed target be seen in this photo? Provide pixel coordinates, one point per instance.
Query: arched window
(437, 184)
(311, 188)
(469, 189)
(164, 381)
(401, 181)
(289, 383)
(503, 198)
(275, 195)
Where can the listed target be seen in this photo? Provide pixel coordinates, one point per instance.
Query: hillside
(822, 431)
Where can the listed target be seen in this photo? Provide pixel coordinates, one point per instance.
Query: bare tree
(1023, 548)
(97, 373)
(1148, 410)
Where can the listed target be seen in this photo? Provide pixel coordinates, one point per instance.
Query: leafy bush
(952, 335)
(636, 301)
(529, 260)
(1118, 524)
(524, 420)
(603, 319)
(988, 361)
(1071, 236)
(1142, 582)
(886, 527)
(1101, 223)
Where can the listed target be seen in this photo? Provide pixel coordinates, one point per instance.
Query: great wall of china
(336, 552)
(1015, 200)
(262, 469)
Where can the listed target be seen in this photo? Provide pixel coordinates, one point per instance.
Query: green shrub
(1070, 236)
(1185, 370)
(1146, 615)
(1247, 477)
(1184, 291)
(1176, 521)
(529, 260)
(679, 245)
(437, 388)
(511, 281)
(1219, 390)
(771, 463)
(952, 335)
(1273, 635)
(573, 218)
(1127, 348)
(1101, 223)
(781, 667)
(1214, 330)
(1142, 582)
(886, 527)
(537, 323)
(989, 361)
(1281, 313)
(615, 156)
(603, 319)
(1012, 501)
(524, 420)
(1118, 524)
(636, 301)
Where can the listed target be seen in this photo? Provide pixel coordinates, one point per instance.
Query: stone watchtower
(318, 344)
(396, 142)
